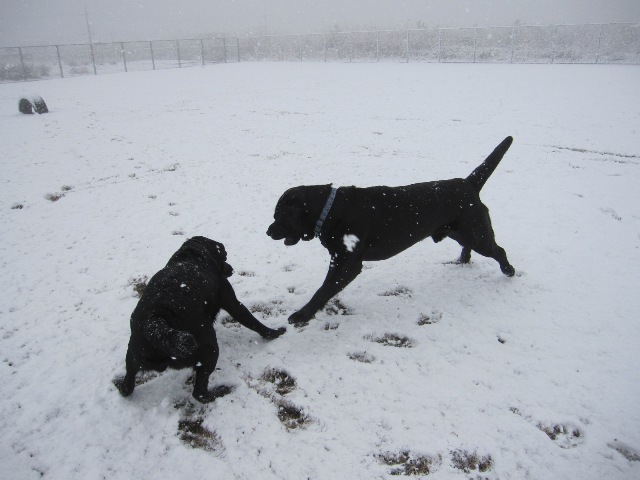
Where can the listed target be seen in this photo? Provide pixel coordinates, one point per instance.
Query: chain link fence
(617, 43)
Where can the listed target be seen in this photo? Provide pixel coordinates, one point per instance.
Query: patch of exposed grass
(390, 458)
(565, 436)
(139, 284)
(392, 340)
(409, 464)
(193, 433)
(228, 321)
(54, 197)
(336, 307)
(283, 381)
(399, 291)
(467, 461)
(429, 319)
(291, 416)
(271, 309)
(362, 357)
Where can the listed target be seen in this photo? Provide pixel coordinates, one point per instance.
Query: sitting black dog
(376, 223)
(172, 325)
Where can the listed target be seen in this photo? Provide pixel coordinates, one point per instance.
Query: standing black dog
(376, 223)
(172, 325)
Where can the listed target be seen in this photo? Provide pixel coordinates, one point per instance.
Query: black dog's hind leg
(465, 255)
(496, 252)
(126, 384)
(343, 269)
(481, 239)
(207, 355)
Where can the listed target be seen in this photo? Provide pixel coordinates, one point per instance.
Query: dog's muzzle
(276, 234)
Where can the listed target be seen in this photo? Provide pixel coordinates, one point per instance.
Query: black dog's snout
(271, 231)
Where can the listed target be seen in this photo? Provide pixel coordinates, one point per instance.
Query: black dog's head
(207, 247)
(292, 218)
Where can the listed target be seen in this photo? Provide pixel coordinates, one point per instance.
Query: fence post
(153, 60)
(324, 47)
(202, 51)
(59, 61)
(475, 43)
(24, 70)
(224, 49)
(599, 42)
(178, 49)
(93, 59)
(553, 44)
(407, 40)
(124, 56)
(513, 38)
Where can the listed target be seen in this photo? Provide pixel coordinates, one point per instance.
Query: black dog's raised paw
(211, 395)
(271, 334)
(122, 387)
(508, 270)
(299, 318)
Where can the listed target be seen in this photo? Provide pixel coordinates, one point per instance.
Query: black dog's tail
(170, 341)
(480, 175)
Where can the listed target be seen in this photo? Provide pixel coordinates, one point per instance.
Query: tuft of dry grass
(467, 461)
(139, 284)
(281, 379)
(392, 340)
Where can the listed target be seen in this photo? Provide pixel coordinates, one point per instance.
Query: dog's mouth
(277, 233)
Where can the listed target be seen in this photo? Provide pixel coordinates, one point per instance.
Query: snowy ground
(533, 377)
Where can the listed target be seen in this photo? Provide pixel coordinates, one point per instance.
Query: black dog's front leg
(239, 312)
(343, 269)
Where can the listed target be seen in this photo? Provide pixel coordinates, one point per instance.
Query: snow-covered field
(531, 377)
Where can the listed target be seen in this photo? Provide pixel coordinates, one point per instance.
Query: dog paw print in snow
(429, 319)
(409, 464)
(282, 380)
(399, 291)
(612, 213)
(565, 436)
(391, 340)
(627, 451)
(362, 357)
(469, 461)
(350, 242)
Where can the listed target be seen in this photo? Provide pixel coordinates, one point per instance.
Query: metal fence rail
(617, 43)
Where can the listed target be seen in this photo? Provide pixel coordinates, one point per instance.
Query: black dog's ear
(216, 249)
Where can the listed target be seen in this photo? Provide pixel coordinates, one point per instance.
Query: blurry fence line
(613, 43)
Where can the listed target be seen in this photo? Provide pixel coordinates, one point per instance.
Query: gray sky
(40, 22)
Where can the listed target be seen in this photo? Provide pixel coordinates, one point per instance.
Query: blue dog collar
(325, 211)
